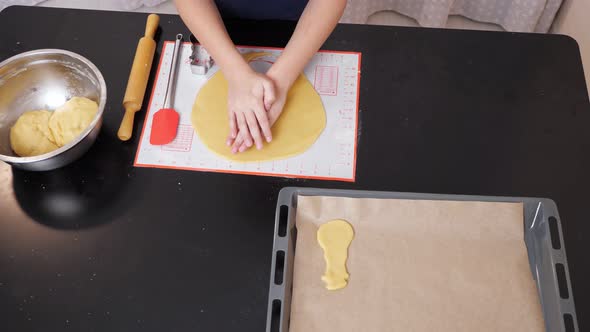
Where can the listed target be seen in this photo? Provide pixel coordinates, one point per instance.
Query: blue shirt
(261, 9)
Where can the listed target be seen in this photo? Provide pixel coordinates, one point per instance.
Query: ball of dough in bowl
(70, 120)
(40, 132)
(30, 135)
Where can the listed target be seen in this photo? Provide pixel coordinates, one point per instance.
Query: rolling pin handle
(126, 128)
(152, 25)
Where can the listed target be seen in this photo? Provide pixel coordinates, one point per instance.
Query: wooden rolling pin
(138, 78)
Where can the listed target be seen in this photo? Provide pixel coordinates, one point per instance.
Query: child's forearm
(315, 25)
(203, 19)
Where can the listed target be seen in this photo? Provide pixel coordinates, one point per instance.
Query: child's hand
(247, 113)
(274, 107)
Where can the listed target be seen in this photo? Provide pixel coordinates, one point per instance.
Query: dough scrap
(71, 119)
(30, 135)
(334, 237)
(39, 132)
(302, 121)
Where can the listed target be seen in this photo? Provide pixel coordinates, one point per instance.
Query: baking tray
(543, 238)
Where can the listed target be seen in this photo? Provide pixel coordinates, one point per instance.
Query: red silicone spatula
(165, 121)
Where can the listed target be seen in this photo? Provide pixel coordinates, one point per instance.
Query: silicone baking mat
(335, 75)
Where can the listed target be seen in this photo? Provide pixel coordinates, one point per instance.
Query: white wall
(573, 19)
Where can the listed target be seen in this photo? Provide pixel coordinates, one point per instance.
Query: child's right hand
(274, 108)
(247, 94)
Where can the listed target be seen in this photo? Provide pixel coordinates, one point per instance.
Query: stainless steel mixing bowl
(46, 79)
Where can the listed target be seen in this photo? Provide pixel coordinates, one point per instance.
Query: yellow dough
(40, 132)
(70, 120)
(302, 121)
(30, 135)
(334, 237)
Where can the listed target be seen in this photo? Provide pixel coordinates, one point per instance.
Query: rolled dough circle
(302, 121)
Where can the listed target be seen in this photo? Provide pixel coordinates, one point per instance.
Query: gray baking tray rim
(543, 238)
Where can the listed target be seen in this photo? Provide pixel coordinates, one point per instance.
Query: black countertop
(102, 246)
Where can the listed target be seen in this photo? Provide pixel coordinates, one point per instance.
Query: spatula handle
(172, 77)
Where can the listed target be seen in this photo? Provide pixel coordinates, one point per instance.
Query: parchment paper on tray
(417, 265)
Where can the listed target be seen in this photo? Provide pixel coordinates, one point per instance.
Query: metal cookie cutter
(200, 60)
